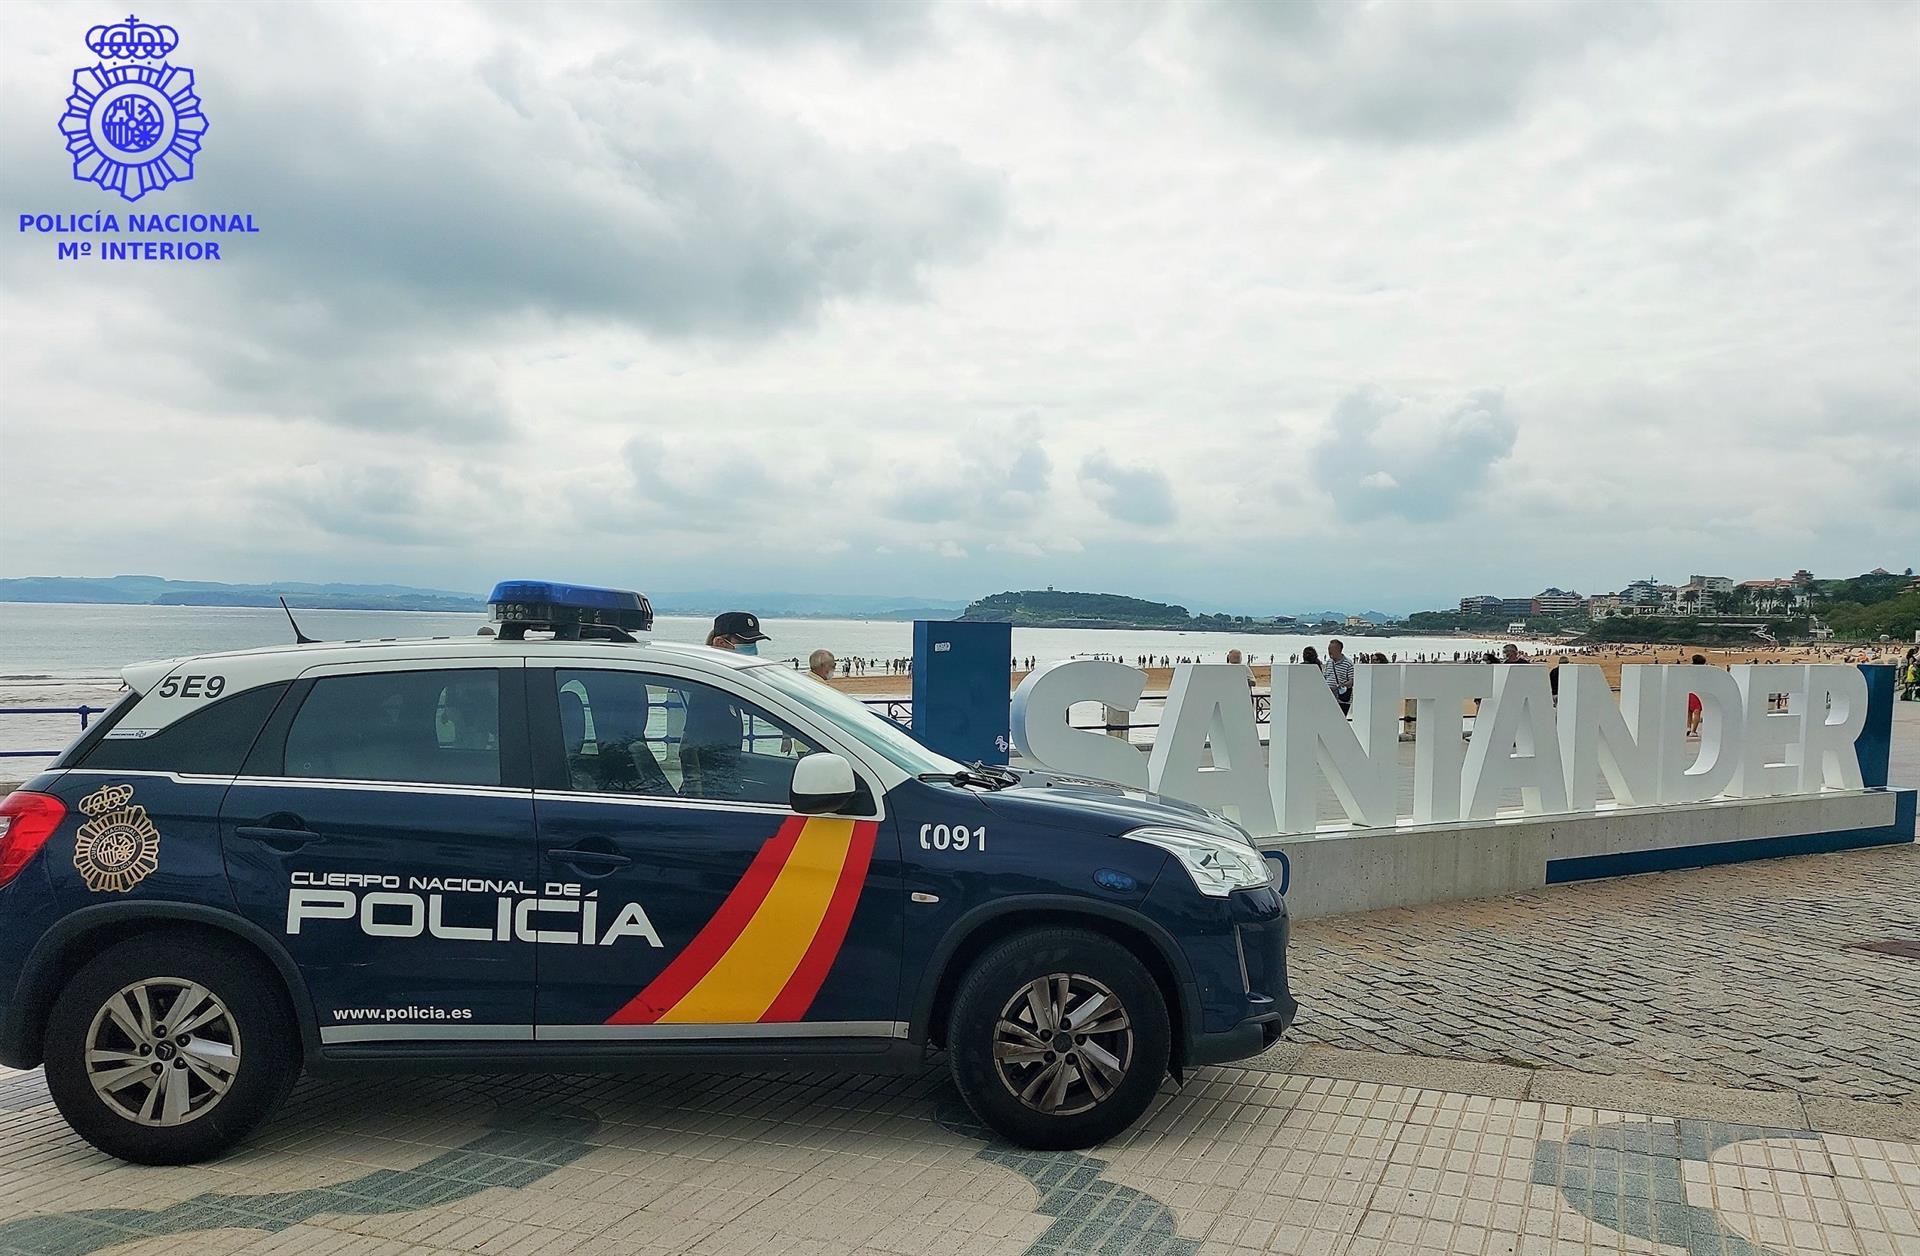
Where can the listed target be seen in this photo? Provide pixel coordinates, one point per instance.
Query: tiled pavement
(1241, 1159)
(1747, 976)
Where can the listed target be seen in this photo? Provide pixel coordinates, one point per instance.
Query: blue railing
(83, 711)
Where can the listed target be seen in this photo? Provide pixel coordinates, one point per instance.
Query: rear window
(430, 726)
(213, 741)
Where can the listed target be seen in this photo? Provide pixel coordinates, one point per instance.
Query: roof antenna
(299, 638)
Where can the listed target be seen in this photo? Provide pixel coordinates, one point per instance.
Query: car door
(722, 913)
(383, 830)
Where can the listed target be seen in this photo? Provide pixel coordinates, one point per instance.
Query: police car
(571, 847)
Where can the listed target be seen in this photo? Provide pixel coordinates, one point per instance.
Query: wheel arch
(989, 923)
(79, 937)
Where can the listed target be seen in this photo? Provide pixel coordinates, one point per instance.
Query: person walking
(1695, 711)
(1339, 674)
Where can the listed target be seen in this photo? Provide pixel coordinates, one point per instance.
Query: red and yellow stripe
(765, 953)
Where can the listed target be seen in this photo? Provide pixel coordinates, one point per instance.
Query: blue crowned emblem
(133, 128)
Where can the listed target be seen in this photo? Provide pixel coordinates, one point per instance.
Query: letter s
(1041, 731)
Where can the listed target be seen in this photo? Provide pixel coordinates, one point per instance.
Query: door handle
(277, 838)
(601, 862)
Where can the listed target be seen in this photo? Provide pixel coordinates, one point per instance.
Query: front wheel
(1058, 1038)
(167, 1052)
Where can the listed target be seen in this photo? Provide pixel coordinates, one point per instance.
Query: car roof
(290, 660)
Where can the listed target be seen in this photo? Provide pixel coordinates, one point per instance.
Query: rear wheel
(169, 1052)
(1058, 1038)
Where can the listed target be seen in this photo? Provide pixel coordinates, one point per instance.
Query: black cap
(741, 625)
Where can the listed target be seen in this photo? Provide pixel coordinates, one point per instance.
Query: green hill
(1055, 608)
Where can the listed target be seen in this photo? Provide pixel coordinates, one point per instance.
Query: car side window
(626, 732)
(435, 726)
(212, 741)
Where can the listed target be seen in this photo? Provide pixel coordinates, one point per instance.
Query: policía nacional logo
(133, 123)
(117, 846)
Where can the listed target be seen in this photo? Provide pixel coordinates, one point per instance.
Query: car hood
(1074, 801)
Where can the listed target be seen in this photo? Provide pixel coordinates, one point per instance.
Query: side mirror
(822, 782)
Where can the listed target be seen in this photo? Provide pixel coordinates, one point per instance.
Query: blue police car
(571, 847)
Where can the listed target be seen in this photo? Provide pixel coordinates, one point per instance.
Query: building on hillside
(1482, 604)
(1641, 593)
(1516, 607)
(1558, 602)
(1711, 584)
(1774, 595)
(1604, 605)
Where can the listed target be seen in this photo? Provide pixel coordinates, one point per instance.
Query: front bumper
(1250, 1003)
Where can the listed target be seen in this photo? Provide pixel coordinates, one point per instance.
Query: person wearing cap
(715, 730)
(738, 631)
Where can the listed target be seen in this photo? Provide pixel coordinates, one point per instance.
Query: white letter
(1211, 704)
(453, 933)
(1514, 745)
(1836, 712)
(1310, 738)
(1722, 721)
(1771, 741)
(1040, 728)
(1440, 692)
(523, 915)
(317, 905)
(1623, 741)
(631, 922)
(415, 923)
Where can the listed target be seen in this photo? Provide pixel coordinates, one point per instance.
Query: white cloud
(1367, 307)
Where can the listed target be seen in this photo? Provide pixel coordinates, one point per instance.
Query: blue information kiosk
(960, 688)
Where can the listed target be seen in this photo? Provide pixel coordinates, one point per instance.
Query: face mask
(747, 647)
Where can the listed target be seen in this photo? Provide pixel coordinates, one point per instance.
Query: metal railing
(83, 711)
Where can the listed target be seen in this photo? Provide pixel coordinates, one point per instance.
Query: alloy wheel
(1063, 1042)
(162, 1051)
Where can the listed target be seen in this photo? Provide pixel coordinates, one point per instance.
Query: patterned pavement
(1240, 1160)
(1748, 975)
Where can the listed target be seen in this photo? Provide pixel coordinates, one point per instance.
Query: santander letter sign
(1208, 749)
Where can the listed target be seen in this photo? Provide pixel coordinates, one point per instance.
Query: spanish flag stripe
(745, 980)
(797, 995)
(717, 935)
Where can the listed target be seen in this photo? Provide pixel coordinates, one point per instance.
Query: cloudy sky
(1246, 306)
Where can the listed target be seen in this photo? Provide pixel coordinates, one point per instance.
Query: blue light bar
(566, 609)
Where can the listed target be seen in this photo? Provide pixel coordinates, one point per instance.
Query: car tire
(1046, 1086)
(140, 1089)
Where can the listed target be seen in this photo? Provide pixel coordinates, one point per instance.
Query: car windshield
(853, 718)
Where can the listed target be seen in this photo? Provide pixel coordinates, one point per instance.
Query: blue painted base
(1590, 867)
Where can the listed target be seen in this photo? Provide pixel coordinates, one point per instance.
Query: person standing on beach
(1234, 656)
(1695, 711)
(1339, 674)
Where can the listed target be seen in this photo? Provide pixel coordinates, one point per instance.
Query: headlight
(1218, 865)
